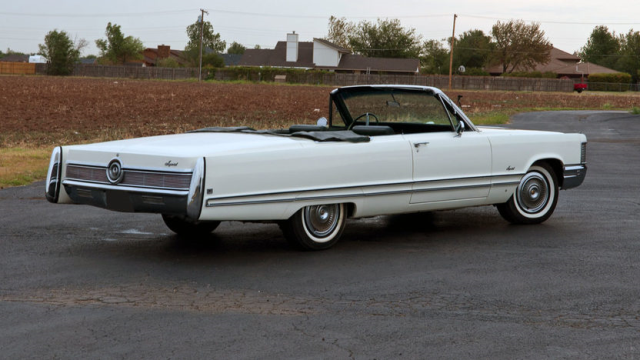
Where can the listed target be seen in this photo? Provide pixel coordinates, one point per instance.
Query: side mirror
(460, 128)
(322, 121)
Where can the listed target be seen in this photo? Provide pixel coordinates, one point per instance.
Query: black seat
(373, 130)
(308, 128)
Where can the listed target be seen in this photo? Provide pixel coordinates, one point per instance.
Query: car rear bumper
(574, 176)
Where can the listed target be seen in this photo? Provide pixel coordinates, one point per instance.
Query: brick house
(321, 54)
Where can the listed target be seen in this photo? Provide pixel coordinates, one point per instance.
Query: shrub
(257, 74)
(168, 63)
(609, 82)
(532, 74)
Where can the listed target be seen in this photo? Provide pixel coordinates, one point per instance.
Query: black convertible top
(321, 136)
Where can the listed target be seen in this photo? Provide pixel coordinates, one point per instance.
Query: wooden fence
(17, 68)
(335, 79)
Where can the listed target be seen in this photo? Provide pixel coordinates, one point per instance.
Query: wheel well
(557, 166)
(351, 209)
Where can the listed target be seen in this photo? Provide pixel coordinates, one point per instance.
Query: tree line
(514, 45)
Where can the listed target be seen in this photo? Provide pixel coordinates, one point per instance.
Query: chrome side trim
(134, 189)
(292, 196)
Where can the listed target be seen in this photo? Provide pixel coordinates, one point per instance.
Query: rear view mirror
(460, 128)
(393, 104)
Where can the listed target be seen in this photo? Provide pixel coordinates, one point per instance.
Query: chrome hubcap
(321, 220)
(533, 193)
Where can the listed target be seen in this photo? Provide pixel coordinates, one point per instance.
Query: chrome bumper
(574, 176)
(127, 199)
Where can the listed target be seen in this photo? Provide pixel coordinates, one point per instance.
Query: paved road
(81, 282)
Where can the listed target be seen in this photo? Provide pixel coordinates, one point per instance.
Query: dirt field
(43, 111)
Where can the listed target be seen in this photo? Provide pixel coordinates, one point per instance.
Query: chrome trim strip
(212, 202)
(84, 184)
(142, 169)
(574, 168)
(411, 183)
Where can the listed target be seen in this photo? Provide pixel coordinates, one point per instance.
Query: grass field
(39, 113)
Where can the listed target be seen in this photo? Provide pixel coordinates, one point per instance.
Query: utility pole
(453, 38)
(201, 37)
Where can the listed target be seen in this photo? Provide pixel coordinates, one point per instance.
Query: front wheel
(184, 226)
(535, 198)
(315, 227)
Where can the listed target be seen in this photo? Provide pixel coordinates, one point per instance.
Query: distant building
(563, 64)
(321, 54)
(37, 59)
(15, 58)
(153, 55)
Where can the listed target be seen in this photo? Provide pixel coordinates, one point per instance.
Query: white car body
(253, 176)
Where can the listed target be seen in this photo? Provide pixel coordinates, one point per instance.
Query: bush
(257, 74)
(168, 63)
(475, 72)
(532, 74)
(609, 82)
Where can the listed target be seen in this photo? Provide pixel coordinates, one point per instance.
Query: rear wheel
(315, 227)
(184, 226)
(535, 198)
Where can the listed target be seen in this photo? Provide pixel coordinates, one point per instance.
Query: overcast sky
(567, 23)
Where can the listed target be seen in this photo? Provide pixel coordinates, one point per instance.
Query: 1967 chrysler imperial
(383, 150)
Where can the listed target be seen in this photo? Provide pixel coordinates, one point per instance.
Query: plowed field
(42, 111)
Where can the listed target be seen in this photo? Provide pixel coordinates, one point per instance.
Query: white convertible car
(383, 150)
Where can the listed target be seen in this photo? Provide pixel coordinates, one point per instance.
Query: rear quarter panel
(273, 183)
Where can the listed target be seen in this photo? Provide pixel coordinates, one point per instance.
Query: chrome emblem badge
(114, 171)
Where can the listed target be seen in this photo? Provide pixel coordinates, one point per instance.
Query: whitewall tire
(315, 227)
(535, 198)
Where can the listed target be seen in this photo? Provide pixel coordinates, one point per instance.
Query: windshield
(398, 106)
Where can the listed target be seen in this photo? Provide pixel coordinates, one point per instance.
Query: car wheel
(315, 227)
(535, 198)
(185, 226)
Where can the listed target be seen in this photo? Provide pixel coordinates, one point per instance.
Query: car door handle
(417, 145)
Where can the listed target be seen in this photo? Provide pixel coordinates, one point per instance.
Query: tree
(210, 39)
(61, 52)
(118, 49)
(339, 31)
(434, 58)
(212, 60)
(472, 49)
(602, 48)
(518, 45)
(236, 48)
(629, 62)
(387, 39)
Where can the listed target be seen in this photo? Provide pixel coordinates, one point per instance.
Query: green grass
(22, 166)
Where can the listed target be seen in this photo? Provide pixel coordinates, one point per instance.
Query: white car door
(450, 167)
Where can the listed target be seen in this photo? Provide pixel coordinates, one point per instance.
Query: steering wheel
(358, 118)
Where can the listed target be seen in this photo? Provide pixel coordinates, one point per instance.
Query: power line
(551, 21)
(147, 13)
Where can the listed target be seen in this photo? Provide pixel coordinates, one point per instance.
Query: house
(16, 58)
(563, 64)
(88, 61)
(151, 56)
(321, 54)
